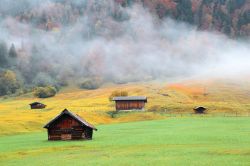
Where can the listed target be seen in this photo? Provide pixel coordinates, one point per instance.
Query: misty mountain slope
(227, 16)
(61, 42)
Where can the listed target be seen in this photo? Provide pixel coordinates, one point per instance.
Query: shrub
(90, 84)
(45, 92)
(117, 94)
(112, 114)
(155, 108)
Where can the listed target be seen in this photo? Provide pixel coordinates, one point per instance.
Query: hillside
(164, 100)
(227, 16)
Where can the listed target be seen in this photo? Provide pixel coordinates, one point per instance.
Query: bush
(155, 108)
(112, 114)
(45, 92)
(117, 94)
(90, 84)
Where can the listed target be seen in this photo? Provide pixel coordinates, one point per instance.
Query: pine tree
(3, 54)
(12, 51)
(184, 11)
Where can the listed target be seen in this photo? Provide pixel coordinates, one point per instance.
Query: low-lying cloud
(133, 46)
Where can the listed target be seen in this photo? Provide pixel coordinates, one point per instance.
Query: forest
(48, 44)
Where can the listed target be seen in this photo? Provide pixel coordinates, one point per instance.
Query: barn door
(66, 137)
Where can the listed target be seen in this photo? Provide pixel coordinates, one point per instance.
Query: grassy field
(173, 141)
(94, 106)
(163, 141)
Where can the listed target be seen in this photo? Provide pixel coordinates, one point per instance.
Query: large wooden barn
(130, 102)
(69, 126)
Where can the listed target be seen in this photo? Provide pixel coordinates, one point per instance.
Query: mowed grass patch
(174, 141)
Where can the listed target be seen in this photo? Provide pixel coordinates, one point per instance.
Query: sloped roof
(35, 103)
(200, 107)
(132, 98)
(75, 116)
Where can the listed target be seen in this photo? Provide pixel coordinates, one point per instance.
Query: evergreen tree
(162, 11)
(184, 11)
(244, 19)
(127, 3)
(12, 51)
(3, 55)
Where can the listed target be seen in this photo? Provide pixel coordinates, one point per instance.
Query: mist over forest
(58, 42)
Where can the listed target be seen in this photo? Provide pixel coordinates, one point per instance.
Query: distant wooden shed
(37, 105)
(200, 110)
(69, 126)
(130, 102)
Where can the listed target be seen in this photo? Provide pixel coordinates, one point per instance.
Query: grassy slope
(174, 141)
(16, 116)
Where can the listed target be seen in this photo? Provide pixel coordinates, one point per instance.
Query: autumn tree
(8, 82)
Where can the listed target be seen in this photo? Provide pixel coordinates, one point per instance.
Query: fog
(113, 43)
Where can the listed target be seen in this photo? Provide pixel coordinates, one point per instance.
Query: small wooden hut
(69, 126)
(130, 102)
(37, 105)
(200, 110)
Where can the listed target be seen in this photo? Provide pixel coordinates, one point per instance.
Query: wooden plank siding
(129, 105)
(67, 128)
(130, 102)
(37, 106)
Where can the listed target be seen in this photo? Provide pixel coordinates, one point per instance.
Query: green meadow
(172, 141)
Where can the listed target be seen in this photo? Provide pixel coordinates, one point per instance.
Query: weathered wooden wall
(128, 105)
(67, 128)
(38, 106)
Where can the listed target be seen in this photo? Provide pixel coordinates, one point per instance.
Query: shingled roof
(130, 98)
(75, 116)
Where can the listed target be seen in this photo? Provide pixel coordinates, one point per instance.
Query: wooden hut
(37, 105)
(200, 110)
(69, 126)
(130, 103)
